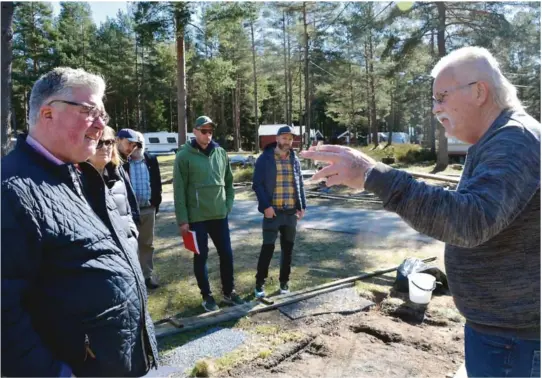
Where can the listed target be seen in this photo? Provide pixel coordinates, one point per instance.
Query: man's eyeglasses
(207, 131)
(92, 111)
(107, 143)
(439, 98)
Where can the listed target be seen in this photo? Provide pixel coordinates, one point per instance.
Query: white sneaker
(259, 292)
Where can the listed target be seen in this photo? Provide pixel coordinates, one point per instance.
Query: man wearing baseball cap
(127, 142)
(279, 187)
(203, 195)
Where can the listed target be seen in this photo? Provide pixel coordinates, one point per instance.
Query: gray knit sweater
(490, 224)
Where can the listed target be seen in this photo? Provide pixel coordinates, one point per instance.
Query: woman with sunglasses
(107, 162)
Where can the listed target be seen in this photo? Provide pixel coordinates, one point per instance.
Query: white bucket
(420, 287)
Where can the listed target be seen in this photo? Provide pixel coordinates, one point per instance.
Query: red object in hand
(190, 242)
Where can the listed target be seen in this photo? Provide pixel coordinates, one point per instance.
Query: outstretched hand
(347, 165)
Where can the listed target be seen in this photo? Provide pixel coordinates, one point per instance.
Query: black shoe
(233, 299)
(151, 284)
(284, 288)
(209, 304)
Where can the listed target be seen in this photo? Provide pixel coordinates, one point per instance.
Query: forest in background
(334, 66)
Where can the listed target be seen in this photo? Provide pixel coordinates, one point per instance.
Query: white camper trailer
(457, 147)
(162, 142)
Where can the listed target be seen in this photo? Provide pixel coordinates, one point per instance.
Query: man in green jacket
(203, 195)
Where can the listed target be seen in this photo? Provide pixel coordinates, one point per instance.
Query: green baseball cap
(202, 121)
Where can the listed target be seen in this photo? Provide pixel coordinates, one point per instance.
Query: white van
(162, 142)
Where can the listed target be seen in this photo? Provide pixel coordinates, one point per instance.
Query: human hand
(184, 228)
(269, 212)
(348, 166)
(300, 214)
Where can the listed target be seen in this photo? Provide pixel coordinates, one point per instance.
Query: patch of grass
(446, 313)
(267, 329)
(202, 368)
(265, 353)
(319, 257)
(372, 291)
(166, 166)
(242, 174)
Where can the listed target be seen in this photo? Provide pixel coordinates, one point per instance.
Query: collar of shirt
(42, 150)
(278, 155)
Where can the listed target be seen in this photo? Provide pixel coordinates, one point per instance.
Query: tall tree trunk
(307, 87)
(442, 156)
(256, 137)
(234, 118)
(372, 89)
(138, 78)
(432, 142)
(286, 95)
(290, 85)
(7, 43)
(181, 82)
(238, 112)
(367, 89)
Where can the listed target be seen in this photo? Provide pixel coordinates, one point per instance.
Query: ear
(481, 92)
(46, 112)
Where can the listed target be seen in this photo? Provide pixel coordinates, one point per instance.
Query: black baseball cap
(129, 134)
(286, 130)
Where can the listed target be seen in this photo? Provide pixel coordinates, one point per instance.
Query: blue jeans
(495, 356)
(219, 231)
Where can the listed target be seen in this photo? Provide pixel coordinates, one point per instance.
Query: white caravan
(162, 142)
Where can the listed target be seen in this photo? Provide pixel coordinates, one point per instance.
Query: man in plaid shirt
(278, 185)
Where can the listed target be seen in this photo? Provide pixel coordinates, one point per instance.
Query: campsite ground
(391, 339)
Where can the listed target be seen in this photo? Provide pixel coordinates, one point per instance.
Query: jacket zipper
(88, 351)
(197, 198)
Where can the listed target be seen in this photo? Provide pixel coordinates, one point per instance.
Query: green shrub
(417, 156)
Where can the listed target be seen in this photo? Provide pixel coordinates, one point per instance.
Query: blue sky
(100, 9)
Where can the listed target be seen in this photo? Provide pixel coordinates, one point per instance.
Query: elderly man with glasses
(73, 295)
(490, 224)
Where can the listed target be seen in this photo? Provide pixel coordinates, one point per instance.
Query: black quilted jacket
(72, 289)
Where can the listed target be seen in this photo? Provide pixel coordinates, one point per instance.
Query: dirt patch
(363, 345)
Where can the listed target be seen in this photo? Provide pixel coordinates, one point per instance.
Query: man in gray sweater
(490, 224)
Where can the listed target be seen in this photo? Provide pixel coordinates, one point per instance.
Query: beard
(448, 131)
(284, 147)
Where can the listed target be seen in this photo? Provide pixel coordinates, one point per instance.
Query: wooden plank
(434, 177)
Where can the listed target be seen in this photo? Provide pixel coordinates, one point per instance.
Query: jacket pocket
(211, 200)
(105, 350)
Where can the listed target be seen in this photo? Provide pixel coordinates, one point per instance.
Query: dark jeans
(219, 231)
(495, 356)
(285, 222)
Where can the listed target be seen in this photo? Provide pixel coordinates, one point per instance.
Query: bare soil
(382, 342)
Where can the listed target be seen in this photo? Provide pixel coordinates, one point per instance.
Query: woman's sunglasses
(107, 143)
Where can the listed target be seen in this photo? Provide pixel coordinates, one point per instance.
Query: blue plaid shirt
(141, 182)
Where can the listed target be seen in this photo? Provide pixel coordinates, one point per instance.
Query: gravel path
(216, 343)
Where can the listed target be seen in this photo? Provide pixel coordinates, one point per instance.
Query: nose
(99, 123)
(437, 108)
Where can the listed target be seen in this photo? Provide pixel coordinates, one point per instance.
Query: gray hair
(478, 64)
(61, 81)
